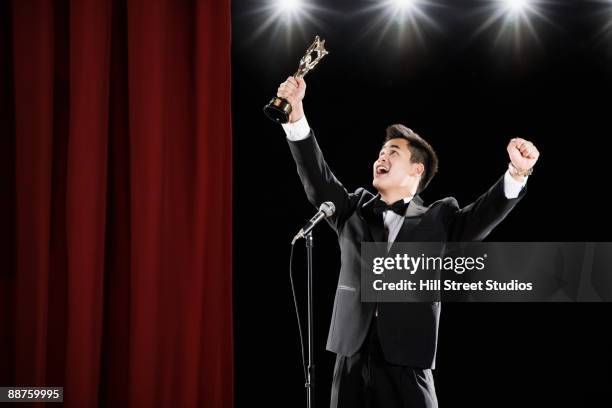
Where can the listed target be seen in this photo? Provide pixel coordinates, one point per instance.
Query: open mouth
(381, 170)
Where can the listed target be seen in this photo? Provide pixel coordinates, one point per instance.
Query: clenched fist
(523, 154)
(293, 90)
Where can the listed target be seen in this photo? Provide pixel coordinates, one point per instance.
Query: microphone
(326, 210)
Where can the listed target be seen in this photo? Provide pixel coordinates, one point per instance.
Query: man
(386, 351)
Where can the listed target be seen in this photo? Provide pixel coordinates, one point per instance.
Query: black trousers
(367, 380)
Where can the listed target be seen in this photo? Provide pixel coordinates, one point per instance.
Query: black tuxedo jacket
(408, 332)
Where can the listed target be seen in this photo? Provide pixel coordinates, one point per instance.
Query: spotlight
(284, 16)
(288, 6)
(408, 18)
(515, 19)
(402, 8)
(404, 5)
(516, 6)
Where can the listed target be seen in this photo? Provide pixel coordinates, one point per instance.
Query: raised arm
(319, 182)
(475, 221)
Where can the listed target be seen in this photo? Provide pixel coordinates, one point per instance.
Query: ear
(420, 169)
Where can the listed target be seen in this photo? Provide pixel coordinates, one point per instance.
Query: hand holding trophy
(279, 109)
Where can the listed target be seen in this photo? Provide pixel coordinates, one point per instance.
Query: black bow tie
(398, 207)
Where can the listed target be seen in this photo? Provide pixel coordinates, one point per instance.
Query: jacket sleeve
(476, 220)
(319, 182)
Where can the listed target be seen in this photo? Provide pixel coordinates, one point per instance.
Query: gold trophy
(279, 109)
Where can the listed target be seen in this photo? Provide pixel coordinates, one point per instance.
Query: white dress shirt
(300, 130)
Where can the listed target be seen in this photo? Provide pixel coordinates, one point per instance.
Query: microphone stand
(310, 381)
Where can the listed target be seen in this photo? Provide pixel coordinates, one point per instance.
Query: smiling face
(394, 171)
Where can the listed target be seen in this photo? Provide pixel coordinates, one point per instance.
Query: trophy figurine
(279, 109)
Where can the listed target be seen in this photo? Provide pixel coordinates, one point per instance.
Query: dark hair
(421, 151)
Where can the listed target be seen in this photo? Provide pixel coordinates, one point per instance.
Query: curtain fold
(119, 121)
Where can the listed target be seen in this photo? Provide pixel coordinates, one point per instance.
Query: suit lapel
(414, 212)
(374, 221)
(415, 207)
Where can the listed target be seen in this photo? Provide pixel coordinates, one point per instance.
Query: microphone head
(328, 208)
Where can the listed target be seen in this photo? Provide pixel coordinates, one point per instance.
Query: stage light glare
(516, 20)
(284, 19)
(288, 6)
(409, 20)
(516, 5)
(404, 5)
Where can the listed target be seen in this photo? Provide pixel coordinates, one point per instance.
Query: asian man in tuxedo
(386, 351)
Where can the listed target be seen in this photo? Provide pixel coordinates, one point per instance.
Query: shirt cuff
(298, 130)
(512, 188)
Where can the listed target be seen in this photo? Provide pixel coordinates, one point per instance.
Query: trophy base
(278, 110)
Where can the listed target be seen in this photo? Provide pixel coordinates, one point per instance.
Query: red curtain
(116, 200)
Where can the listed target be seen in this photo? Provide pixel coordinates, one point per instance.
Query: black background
(467, 96)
